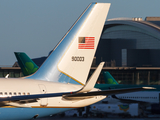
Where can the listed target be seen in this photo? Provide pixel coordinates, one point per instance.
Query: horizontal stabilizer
(148, 88)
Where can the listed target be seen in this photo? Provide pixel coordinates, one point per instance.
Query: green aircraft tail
(108, 78)
(28, 67)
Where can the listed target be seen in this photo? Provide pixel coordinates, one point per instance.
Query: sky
(36, 26)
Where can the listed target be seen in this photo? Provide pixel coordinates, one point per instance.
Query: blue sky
(36, 26)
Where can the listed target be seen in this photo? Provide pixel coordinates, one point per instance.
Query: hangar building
(129, 46)
(131, 49)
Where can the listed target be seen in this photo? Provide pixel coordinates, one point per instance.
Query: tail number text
(77, 58)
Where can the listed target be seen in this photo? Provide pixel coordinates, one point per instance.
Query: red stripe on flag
(89, 37)
(84, 47)
(87, 45)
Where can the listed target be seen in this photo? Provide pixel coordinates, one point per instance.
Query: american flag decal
(86, 43)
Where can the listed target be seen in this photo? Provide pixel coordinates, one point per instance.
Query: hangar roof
(149, 27)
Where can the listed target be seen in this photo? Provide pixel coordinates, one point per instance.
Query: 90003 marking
(78, 58)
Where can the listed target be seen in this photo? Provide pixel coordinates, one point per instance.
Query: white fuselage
(43, 106)
(141, 96)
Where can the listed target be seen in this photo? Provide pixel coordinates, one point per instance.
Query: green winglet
(108, 78)
(28, 67)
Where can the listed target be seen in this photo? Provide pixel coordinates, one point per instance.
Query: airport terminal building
(130, 49)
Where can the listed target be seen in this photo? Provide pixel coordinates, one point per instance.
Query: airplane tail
(28, 67)
(71, 59)
(109, 78)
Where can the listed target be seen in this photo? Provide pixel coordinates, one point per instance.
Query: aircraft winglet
(92, 80)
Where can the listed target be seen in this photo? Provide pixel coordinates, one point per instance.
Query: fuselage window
(10, 93)
(1, 93)
(19, 93)
(15, 93)
(5, 93)
(24, 93)
(28, 93)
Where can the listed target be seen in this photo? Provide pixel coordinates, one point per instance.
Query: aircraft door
(44, 101)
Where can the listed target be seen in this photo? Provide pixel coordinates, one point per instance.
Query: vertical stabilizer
(109, 78)
(28, 67)
(71, 59)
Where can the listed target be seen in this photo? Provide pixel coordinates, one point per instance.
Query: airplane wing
(71, 95)
(104, 92)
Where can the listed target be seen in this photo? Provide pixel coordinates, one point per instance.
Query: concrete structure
(129, 46)
(131, 50)
(129, 42)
